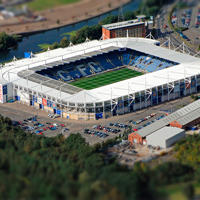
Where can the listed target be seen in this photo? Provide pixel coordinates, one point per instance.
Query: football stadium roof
(21, 72)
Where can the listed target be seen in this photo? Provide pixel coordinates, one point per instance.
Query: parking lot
(189, 18)
(37, 126)
(20, 112)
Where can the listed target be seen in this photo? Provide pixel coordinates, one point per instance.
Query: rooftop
(167, 132)
(183, 116)
(122, 24)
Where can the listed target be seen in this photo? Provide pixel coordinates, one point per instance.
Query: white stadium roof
(188, 67)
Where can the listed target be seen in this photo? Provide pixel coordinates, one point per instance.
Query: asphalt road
(19, 112)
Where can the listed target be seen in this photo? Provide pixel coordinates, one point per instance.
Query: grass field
(175, 191)
(38, 5)
(105, 79)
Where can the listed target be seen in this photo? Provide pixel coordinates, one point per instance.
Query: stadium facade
(43, 81)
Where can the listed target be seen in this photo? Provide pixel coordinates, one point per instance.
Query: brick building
(183, 118)
(131, 28)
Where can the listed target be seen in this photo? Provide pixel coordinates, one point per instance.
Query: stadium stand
(105, 62)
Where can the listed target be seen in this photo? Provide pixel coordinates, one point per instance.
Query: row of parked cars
(35, 127)
(106, 129)
(94, 132)
(102, 131)
(144, 119)
(119, 125)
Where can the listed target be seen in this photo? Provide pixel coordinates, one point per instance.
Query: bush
(8, 41)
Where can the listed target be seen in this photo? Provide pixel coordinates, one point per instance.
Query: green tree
(64, 42)
(8, 41)
(55, 45)
(189, 191)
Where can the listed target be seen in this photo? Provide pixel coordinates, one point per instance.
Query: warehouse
(165, 137)
(183, 118)
(185, 122)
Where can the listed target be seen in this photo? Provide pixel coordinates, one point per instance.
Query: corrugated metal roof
(166, 132)
(185, 115)
(189, 118)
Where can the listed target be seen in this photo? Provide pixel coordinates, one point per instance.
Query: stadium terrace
(100, 79)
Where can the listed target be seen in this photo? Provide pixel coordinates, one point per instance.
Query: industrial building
(165, 137)
(131, 28)
(183, 118)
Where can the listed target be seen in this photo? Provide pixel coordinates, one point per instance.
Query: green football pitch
(105, 78)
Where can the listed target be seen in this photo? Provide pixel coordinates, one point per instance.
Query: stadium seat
(104, 62)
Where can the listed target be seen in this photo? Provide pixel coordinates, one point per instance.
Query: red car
(62, 125)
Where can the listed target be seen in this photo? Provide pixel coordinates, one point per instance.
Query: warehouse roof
(166, 133)
(185, 115)
(189, 117)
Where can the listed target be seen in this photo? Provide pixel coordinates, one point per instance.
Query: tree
(55, 45)
(129, 15)
(189, 191)
(64, 42)
(8, 41)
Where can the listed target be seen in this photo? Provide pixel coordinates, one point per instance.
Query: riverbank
(65, 15)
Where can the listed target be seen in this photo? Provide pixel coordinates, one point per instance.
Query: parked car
(86, 130)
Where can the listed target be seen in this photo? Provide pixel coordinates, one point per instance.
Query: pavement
(19, 112)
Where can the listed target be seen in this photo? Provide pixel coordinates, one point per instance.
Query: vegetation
(36, 167)
(47, 4)
(8, 41)
(188, 151)
(62, 44)
(151, 7)
(105, 78)
(189, 191)
(195, 97)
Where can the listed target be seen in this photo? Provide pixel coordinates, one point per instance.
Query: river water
(31, 42)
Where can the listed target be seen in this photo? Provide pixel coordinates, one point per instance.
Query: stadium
(100, 79)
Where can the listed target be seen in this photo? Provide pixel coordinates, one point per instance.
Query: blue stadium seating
(104, 62)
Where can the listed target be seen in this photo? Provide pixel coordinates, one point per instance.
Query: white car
(50, 115)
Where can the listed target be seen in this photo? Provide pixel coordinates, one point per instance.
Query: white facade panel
(165, 137)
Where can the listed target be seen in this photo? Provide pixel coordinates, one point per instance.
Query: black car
(86, 130)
